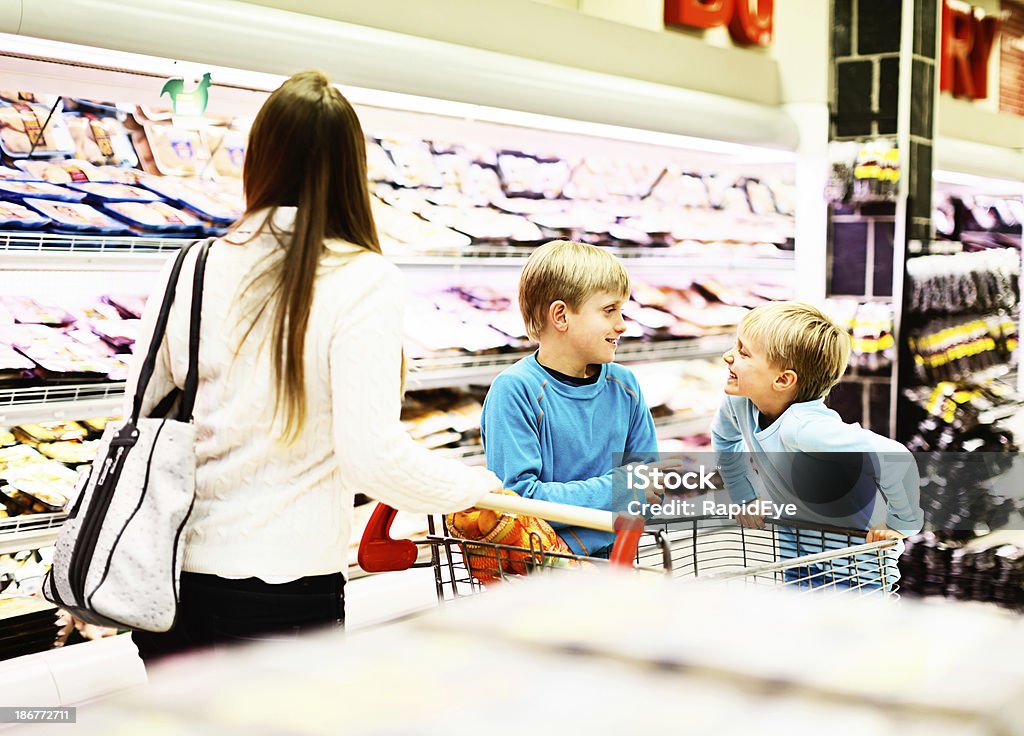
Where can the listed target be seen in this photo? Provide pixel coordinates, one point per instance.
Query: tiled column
(884, 62)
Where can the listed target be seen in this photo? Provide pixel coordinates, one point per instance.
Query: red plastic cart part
(378, 552)
(628, 530)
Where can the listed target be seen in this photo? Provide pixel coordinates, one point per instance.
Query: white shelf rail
(31, 531)
(33, 251)
(35, 404)
(458, 370)
(37, 251)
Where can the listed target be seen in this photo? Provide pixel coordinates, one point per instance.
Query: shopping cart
(790, 553)
(786, 552)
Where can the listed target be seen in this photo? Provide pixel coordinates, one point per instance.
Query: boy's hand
(878, 535)
(748, 518)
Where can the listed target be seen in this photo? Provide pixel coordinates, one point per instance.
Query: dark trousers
(214, 610)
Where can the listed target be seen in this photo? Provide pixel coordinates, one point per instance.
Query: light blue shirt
(835, 473)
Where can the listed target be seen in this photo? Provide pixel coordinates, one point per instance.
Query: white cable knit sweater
(275, 512)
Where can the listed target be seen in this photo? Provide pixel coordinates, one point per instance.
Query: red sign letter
(698, 13)
(984, 36)
(751, 23)
(957, 41)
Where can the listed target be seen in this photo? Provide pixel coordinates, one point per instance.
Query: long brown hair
(306, 150)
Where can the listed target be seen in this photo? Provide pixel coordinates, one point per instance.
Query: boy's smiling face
(595, 329)
(750, 373)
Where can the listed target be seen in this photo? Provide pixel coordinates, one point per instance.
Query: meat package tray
(157, 217)
(11, 189)
(14, 216)
(65, 171)
(101, 140)
(24, 130)
(76, 218)
(215, 207)
(103, 192)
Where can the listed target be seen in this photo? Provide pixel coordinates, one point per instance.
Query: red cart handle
(378, 552)
(628, 530)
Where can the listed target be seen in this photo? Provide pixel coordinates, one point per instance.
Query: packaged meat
(27, 311)
(171, 150)
(602, 178)
(206, 200)
(118, 333)
(77, 217)
(227, 149)
(529, 176)
(102, 140)
(676, 188)
(414, 162)
(11, 95)
(406, 229)
(65, 364)
(38, 488)
(129, 306)
(63, 171)
(10, 189)
(13, 365)
(43, 171)
(154, 217)
(96, 425)
(22, 131)
(33, 434)
(70, 452)
(7, 439)
(16, 217)
(6, 172)
(107, 192)
(483, 223)
(379, 166)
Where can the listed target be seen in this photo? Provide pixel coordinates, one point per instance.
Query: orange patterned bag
(489, 564)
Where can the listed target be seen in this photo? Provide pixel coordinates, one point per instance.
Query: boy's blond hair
(568, 271)
(799, 337)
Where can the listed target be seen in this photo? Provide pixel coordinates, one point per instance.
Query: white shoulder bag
(118, 556)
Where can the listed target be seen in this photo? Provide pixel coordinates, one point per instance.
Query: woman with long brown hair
(300, 381)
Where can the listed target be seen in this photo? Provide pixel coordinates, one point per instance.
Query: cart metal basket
(786, 552)
(800, 555)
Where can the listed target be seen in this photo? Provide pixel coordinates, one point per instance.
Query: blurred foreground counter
(599, 652)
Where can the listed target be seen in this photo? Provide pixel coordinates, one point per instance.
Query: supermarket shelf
(666, 428)
(29, 532)
(31, 251)
(661, 258)
(458, 370)
(55, 403)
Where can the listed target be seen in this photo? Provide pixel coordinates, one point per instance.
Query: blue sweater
(835, 473)
(554, 442)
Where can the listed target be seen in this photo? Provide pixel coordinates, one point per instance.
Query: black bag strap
(188, 399)
(160, 328)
